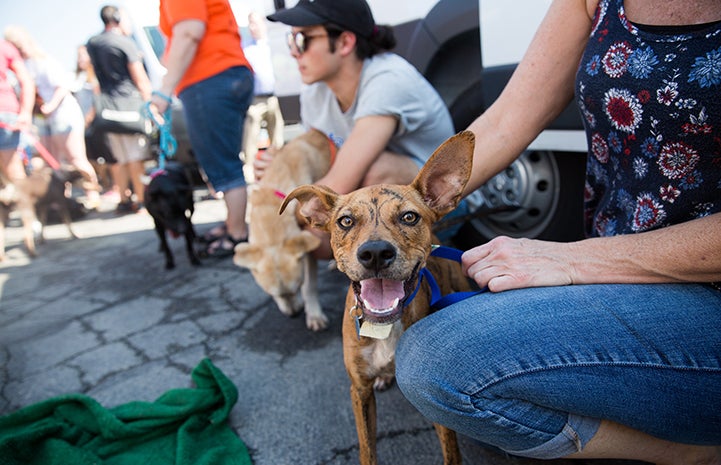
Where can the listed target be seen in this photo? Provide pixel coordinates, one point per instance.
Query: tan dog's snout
(376, 256)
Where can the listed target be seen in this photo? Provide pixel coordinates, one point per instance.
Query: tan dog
(32, 197)
(277, 249)
(381, 238)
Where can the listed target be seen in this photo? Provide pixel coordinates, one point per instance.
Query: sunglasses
(299, 42)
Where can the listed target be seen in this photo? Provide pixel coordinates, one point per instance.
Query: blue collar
(437, 300)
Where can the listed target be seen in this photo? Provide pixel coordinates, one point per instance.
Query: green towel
(182, 427)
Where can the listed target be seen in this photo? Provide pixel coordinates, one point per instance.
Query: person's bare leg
(391, 168)
(137, 169)
(236, 227)
(615, 441)
(76, 154)
(235, 201)
(119, 172)
(12, 165)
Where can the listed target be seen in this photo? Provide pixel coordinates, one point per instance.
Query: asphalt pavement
(100, 315)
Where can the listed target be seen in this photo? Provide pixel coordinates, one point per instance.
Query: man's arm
(367, 140)
(140, 78)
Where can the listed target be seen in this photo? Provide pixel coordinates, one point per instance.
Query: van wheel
(539, 196)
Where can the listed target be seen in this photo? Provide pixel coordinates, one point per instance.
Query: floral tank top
(651, 106)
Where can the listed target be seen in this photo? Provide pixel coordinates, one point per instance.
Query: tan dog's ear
(298, 245)
(316, 204)
(444, 176)
(247, 255)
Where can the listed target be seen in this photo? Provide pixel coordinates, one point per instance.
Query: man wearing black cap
(385, 118)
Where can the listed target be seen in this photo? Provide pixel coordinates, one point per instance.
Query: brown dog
(33, 197)
(381, 238)
(277, 249)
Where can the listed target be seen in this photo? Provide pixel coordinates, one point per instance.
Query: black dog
(169, 200)
(55, 207)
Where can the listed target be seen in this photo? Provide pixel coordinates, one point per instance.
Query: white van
(468, 49)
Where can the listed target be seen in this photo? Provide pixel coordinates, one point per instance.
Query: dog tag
(375, 331)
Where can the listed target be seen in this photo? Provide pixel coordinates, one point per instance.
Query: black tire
(539, 196)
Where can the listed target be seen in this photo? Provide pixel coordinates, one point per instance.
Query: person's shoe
(125, 208)
(213, 234)
(221, 247)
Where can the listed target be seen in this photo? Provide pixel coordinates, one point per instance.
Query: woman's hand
(24, 121)
(158, 106)
(505, 263)
(47, 109)
(685, 252)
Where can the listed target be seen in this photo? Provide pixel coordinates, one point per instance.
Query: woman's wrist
(163, 96)
(160, 100)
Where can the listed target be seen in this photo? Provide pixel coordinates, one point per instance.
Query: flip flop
(213, 234)
(219, 250)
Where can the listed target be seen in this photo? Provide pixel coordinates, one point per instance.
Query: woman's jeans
(214, 111)
(533, 371)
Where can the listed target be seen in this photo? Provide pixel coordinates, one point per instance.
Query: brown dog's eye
(345, 222)
(410, 218)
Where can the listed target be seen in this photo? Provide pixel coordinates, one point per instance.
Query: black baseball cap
(353, 15)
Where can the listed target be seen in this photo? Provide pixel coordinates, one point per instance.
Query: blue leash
(168, 144)
(437, 300)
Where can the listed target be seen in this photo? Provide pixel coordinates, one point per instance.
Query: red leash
(44, 153)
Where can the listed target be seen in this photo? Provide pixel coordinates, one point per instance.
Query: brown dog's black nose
(376, 255)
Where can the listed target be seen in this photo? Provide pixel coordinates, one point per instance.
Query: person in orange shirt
(209, 73)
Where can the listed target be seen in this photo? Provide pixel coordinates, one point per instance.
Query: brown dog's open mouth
(382, 300)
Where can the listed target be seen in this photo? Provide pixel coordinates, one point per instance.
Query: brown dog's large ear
(316, 204)
(444, 176)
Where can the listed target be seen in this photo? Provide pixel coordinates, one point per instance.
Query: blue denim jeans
(533, 371)
(214, 112)
(9, 139)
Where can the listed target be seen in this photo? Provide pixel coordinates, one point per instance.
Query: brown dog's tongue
(381, 293)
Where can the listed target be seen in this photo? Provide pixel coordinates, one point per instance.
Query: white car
(468, 49)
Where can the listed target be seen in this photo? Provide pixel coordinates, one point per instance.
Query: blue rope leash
(167, 143)
(437, 300)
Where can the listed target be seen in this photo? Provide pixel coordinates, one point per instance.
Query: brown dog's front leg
(449, 445)
(364, 408)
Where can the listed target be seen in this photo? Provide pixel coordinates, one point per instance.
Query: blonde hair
(23, 41)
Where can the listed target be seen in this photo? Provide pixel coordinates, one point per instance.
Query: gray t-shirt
(389, 85)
